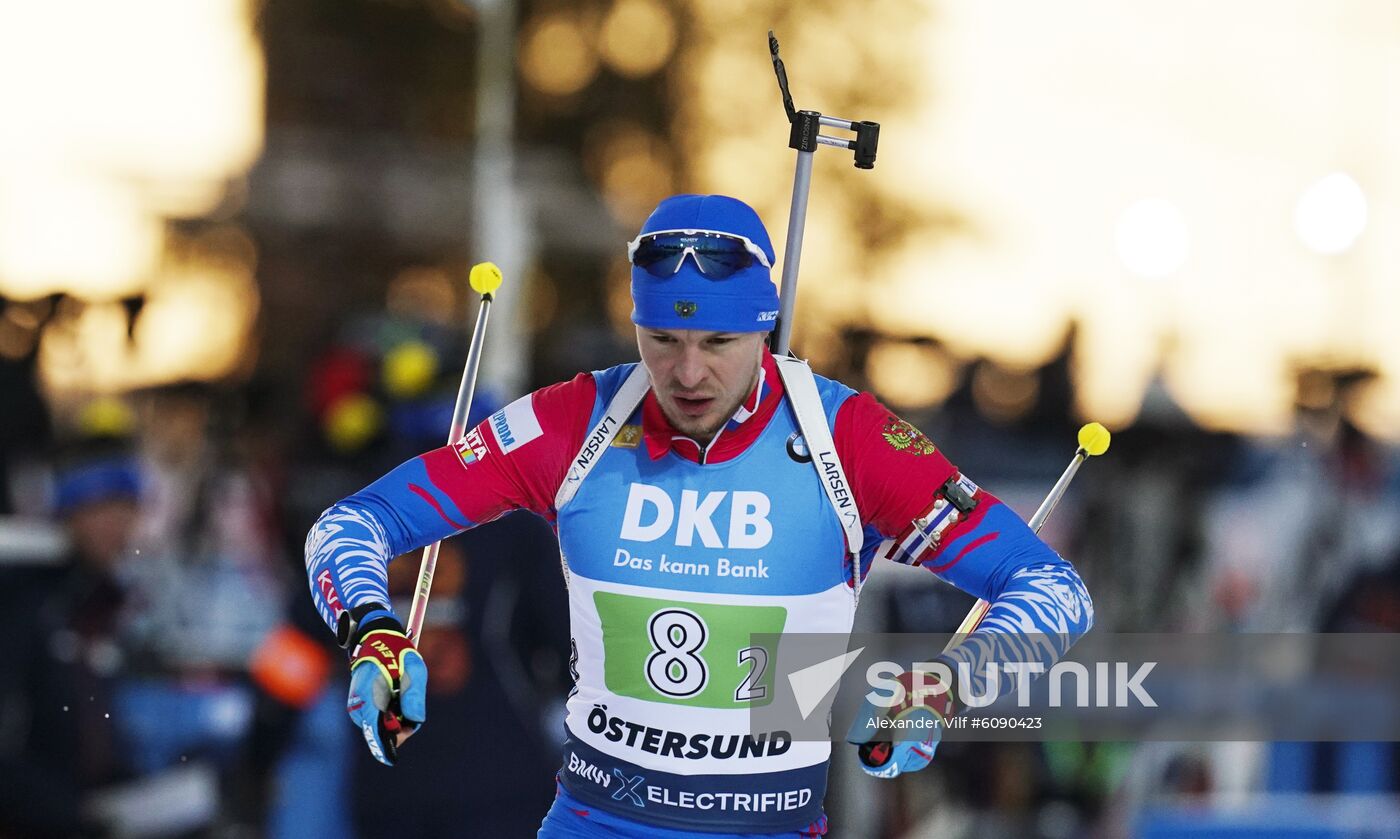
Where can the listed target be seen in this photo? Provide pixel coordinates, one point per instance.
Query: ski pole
(1093, 441)
(485, 279)
(805, 137)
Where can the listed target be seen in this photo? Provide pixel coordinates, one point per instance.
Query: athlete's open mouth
(693, 406)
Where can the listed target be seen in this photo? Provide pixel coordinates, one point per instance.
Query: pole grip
(419, 610)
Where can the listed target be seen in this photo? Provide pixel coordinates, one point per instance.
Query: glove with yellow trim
(388, 684)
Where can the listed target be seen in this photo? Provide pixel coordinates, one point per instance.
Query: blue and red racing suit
(675, 553)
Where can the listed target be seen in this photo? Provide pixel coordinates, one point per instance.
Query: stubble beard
(703, 429)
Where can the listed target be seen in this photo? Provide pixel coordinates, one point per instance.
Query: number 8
(675, 669)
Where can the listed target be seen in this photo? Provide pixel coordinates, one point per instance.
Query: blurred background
(234, 241)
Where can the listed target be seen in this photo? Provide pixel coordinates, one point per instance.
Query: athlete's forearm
(349, 548)
(1043, 612)
(1039, 604)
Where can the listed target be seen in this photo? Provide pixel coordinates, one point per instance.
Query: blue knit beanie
(88, 482)
(745, 301)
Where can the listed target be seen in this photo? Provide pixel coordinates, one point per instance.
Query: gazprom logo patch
(515, 425)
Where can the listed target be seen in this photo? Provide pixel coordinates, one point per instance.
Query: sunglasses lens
(720, 264)
(651, 251)
(660, 259)
(718, 257)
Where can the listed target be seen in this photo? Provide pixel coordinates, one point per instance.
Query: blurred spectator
(58, 741)
(1370, 602)
(209, 584)
(207, 592)
(1300, 516)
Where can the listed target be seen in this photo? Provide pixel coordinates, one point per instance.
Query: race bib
(694, 654)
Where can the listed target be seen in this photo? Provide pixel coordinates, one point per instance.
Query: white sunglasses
(718, 255)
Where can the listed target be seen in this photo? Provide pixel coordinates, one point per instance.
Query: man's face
(700, 378)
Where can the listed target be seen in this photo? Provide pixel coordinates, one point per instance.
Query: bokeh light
(1331, 214)
(423, 293)
(17, 338)
(1004, 395)
(177, 101)
(632, 166)
(107, 416)
(409, 369)
(196, 324)
(911, 375)
(556, 55)
(352, 421)
(1152, 238)
(638, 37)
(86, 236)
(117, 123)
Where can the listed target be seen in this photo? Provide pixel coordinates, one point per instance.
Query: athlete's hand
(388, 685)
(892, 741)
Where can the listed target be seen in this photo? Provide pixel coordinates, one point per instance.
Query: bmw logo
(797, 448)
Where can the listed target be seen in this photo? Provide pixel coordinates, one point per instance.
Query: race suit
(676, 552)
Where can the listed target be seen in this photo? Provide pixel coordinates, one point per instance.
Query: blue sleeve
(350, 545)
(1039, 604)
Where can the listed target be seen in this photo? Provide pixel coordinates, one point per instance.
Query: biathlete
(706, 494)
